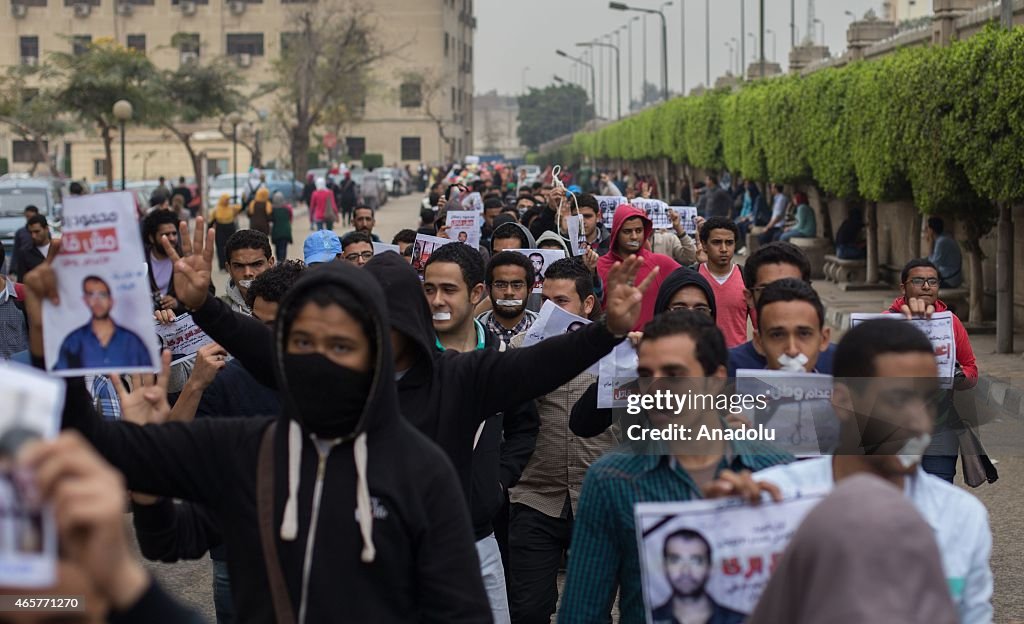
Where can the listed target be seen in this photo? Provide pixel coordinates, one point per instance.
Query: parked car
(278, 181)
(532, 174)
(224, 183)
(17, 193)
(395, 180)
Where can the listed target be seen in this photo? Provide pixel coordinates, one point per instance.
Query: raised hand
(919, 308)
(192, 273)
(147, 402)
(624, 301)
(742, 484)
(40, 285)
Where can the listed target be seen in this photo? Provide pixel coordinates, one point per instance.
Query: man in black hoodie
(339, 491)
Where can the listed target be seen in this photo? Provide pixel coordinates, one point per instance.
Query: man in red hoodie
(631, 229)
(919, 285)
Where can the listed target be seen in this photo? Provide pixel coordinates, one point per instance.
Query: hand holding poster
(104, 320)
(657, 212)
(423, 247)
(182, 338)
(30, 411)
(473, 203)
(541, 259)
(712, 555)
(799, 409)
(553, 321)
(616, 376)
(607, 204)
(688, 217)
(939, 329)
(464, 226)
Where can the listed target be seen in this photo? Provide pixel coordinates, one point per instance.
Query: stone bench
(842, 271)
(815, 249)
(957, 299)
(752, 239)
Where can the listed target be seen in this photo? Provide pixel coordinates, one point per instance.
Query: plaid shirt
(104, 396)
(505, 335)
(604, 548)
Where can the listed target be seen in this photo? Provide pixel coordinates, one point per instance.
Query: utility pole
(762, 39)
(1004, 248)
(682, 44)
(707, 44)
(743, 36)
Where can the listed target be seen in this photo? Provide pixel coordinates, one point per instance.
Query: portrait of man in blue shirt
(100, 343)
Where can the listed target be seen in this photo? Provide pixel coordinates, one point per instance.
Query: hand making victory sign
(624, 302)
(193, 272)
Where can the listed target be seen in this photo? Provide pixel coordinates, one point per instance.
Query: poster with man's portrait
(104, 322)
(707, 561)
(30, 411)
(541, 259)
(464, 227)
(656, 210)
(423, 247)
(607, 204)
(798, 409)
(687, 218)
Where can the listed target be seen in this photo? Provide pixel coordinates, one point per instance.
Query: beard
(509, 313)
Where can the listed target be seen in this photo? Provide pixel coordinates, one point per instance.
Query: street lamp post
(618, 69)
(682, 46)
(122, 112)
(743, 40)
(593, 90)
(818, 21)
(619, 6)
(772, 33)
(707, 44)
(732, 64)
(629, 74)
(234, 119)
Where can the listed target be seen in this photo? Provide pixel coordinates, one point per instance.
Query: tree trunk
(299, 150)
(197, 171)
(1004, 280)
(976, 286)
(871, 226)
(107, 140)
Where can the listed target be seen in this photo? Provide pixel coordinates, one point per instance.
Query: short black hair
(470, 262)
(778, 187)
(158, 199)
(688, 535)
(272, 284)
(493, 202)
(718, 223)
(152, 222)
(510, 232)
(181, 179)
(364, 207)
(701, 328)
(75, 188)
(779, 252)
(404, 236)
(247, 239)
(325, 295)
(855, 355)
(32, 209)
(427, 215)
(789, 289)
(510, 258)
(95, 278)
(586, 200)
(37, 219)
(713, 178)
(572, 269)
(916, 263)
(936, 224)
(358, 237)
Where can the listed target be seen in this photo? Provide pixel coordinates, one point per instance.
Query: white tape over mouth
(914, 449)
(793, 364)
(245, 283)
(442, 316)
(509, 303)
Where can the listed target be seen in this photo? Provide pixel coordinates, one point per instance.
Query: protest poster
(688, 218)
(553, 321)
(423, 247)
(799, 409)
(541, 259)
(464, 226)
(607, 205)
(939, 329)
(616, 376)
(657, 212)
(724, 550)
(379, 248)
(182, 338)
(577, 235)
(104, 322)
(473, 203)
(31, 410)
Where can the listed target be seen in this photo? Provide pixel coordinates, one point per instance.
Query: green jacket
(282, 227)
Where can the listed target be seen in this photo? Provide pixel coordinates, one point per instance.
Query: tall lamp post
(122, 112)
(234, 119)
(772, 33)
(619, 6)
(593, 81)
(618, 70)
(629, 73)
(818, 21)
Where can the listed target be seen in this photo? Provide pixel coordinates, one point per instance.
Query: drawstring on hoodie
(290, 521)
(363, 508)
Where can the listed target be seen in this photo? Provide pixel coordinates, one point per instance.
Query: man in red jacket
(631, 229)
(919, 285)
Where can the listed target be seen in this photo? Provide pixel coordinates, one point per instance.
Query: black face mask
(330, 398)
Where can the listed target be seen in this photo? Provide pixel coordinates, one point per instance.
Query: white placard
(616, 376)
(939, 329)
(739, 544)
(423, 247)
(541, 259)
(463, 226)
(104, 322)
(379, 248)
(607, 205)
(553, 321)
(688, 218)
(31, 410)
(656, 210)
(577, 235)
(182, 337)
(799, 409)
(473, 202)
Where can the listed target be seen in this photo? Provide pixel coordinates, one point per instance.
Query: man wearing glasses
(101, 343)
(509, 279)
(357, 248)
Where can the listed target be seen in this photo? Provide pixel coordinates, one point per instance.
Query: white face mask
(793, 364)
(632, 245)
(913, 450)
(509, 303)
(442, 316)
(245, 284)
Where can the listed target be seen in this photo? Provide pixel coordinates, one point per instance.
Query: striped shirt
(604, 547)
(13, 331)
(560, 459)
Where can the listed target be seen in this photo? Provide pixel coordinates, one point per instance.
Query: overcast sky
(523, 34)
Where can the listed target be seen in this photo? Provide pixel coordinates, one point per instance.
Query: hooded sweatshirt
(534, 301)
(664, 263)
(676, 281)
(376, 515)
(551, 236)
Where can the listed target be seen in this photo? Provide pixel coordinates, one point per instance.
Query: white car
(226, 183)
(532, 174)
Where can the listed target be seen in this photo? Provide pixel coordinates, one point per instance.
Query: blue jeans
(940, 457)
(851, 252)
(222, 593)
(793, 234)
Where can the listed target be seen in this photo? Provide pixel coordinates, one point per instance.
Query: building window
(453, 99)
(177, 2)
(446, 44)
(411, 95)
(410, 148)
(68, 3)
(25, 151)
(137, 2)
(29, 50)
(99, 167)
(245, 43)
(137, 43)
(80, 44)
(31, 3)
(356, 146)
(186, 42)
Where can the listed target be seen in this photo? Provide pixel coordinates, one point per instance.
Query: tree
(331, 46)
(31, 115)
(91, 82)
(649, 94)
(553, 111)
(190, 94)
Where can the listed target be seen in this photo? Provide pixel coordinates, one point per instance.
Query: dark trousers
(224, 232)
(281, 249)
(940, 457)
(769, 236)
(536, 545)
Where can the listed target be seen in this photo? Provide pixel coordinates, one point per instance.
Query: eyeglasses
(703, 309)
(366, 255)
(503, 285)
(921, 281)
(96, 296)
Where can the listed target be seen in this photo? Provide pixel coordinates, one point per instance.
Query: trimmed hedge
(942, 125)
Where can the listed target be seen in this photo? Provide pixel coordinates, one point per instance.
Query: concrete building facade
(496, 127)
(429, 39)
(899, 10)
